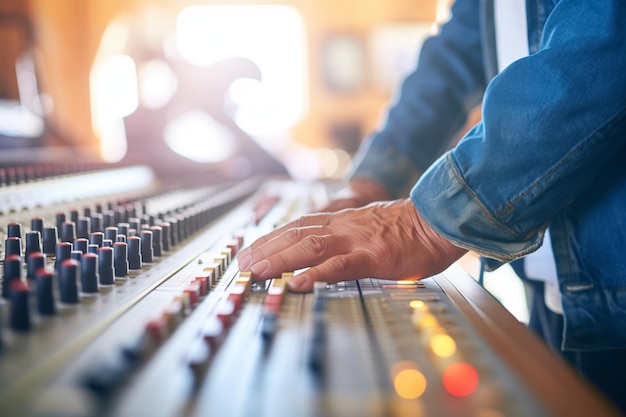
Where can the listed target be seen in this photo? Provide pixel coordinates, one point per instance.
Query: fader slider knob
(134, 252)
(147, 252)
(34, 261)
(20, 315)
(50, 239)
(63, 252)
(89, 273)
(13, 246)
(12, 272)
(105, 266)
(44, 287)
(120, 259)
(69, 275)
(33, 242)
(14, 230)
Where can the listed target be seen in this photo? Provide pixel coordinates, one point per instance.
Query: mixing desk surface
(122, 297)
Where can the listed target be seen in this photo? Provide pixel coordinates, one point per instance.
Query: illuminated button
(408, 382)
(442, 345)
(418, 305)
(424, 321)
(460, 379)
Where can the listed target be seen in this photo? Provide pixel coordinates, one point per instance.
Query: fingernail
(260, 268)
(297, 282)
(245, 259)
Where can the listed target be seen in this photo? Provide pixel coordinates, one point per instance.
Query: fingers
(296, 249)
(351, 266)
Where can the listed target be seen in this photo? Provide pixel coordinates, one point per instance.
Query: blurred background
(187, 85)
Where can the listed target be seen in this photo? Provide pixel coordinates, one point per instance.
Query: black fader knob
(44, 288)
(50, 240)
(14, 230)
(63, 252)
(120, 259)
(68, 232)
(20, 315)
(34, 261)
(147, 252)
(89, 273)
(69, 275)
(134, 252)
(36, 223)
(157, 240)
(105, 266)
(33, 242)
(12, 272)
(12, 246)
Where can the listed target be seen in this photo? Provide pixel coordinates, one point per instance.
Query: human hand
(382, 240)
(358, 193)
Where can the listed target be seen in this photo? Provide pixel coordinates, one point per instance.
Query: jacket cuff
(455, 211)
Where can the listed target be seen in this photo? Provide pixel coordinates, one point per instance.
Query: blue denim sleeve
(432, 104)
(551, 122)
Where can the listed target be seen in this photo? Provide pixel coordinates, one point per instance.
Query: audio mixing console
(121, 296)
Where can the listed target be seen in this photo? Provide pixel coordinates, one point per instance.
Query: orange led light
(443, 345)
(418, 305)
(408, 382)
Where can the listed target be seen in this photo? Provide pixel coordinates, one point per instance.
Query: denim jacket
(550, 150)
